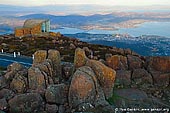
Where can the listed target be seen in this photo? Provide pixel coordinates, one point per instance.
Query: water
(148, 28)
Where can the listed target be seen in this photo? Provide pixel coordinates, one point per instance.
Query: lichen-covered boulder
(117, 62)
(39, 56)
(6, 93)
(105, 75)
(54, 56)
(79, 58)
(19, 83)
(57, 94)
(123, 77)
(12, 70)
(36, 79)
(51, 108)
(134, 62)
(83, 88)
(161, 79)
(159, 64)
(142, 77)
(26, 103)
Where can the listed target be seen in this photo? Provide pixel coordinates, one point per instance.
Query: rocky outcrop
(117, 62)
(39, 56)
(83, 88)
(105, 75)
(57, 94)
(134, 62)
(161, 64)
(80, 58)
(142, 77)
(52, 86)
(36, 80)
(26, 103)
(54, 56)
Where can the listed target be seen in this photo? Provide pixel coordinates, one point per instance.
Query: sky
(95, 2)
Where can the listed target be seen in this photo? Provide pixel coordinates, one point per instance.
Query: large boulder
(36, 79)
(51, 108)
(47, 69)
(83, 88)
(142, 77)
(6, 93)
(54, 56)
(105, 75)
(134, 62)
(15, 67)
(57, 94)
(12, 69)
(79, 58)
(159, 64)
(39, 56)
(19, 83)
(160, 79)
(117, 62)
(26, 103)
(123, 77)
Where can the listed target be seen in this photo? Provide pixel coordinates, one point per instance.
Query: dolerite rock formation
(124, 80)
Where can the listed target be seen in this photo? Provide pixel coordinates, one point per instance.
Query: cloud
(97, 2)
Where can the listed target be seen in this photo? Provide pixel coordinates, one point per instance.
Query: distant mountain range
(70, 16)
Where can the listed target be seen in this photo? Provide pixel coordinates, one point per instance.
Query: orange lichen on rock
(105, 75)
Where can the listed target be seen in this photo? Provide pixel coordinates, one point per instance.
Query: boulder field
(87, 85)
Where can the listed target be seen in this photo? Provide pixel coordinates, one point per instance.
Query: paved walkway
(6, 59)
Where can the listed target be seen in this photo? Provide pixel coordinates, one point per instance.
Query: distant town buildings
(33, 27)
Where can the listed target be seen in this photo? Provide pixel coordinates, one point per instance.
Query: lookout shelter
(33, 27)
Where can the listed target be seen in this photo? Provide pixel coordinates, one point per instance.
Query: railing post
(19, 53)
(33, 57)
(2, 50)
(15, 55)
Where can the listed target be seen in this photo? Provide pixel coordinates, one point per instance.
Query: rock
(86, 49)
(19, 83)
(51, 108)
(58, 34)
(36, 79)
(57, 94)
(3, 82)
(159, 64)
(61, 109)
(47, 71)
(83, 88)
(3, 104)
(117, 62)
(72, 46)
(6, 93)
(54, 56)
(9, 75)
(105, 75)
(134, 62)
(39, 56)
(123, 77)
(79, 58)
(26, 103)
(127, 51)
(142, 77)
(160, 79)
(67, 70)
(15, 67)
(126, 98)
